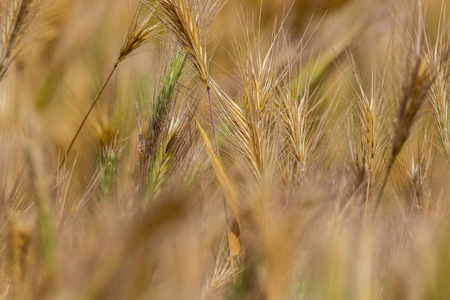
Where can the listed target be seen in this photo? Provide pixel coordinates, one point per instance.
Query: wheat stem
(212, 118)
(87, 115)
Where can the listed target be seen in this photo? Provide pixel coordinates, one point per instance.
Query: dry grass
(324, 174)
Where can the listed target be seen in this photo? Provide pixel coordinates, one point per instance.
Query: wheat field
(214, 149)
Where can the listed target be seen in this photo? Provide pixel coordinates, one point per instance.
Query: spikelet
(370, 111)
(412, 177)
(16, 24)
(303, 126)
(419, 80)
(142, 29)
(262, 73)
(189, 21)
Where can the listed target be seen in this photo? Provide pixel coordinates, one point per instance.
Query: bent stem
(87, 115)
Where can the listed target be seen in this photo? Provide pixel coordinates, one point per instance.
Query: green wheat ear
(164, 98)
(107, 161)
(109, 172)
(161, 144)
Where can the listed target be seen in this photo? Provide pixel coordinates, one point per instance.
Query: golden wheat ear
(417, 88)
(189, 21)
(16, 24)
(370, 113)
(142, 29)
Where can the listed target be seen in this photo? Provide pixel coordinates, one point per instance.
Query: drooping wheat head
(189, 21)
(143, 27)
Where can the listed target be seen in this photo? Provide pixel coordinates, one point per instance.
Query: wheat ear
(16, 24)
(416, 90)
(189, 21)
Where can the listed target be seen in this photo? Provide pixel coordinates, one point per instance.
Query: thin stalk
(212, 118)
(367, 193)
(227, 222)
(87, 115)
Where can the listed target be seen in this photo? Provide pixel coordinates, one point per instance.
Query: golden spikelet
(417, 88)
(16, 24)
(262, 73)
(303, 125)
(421, 79)
(141, 30)
(189, 21)
(370, 116)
